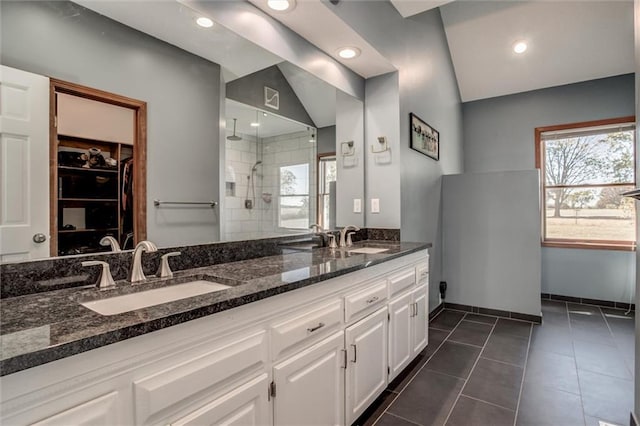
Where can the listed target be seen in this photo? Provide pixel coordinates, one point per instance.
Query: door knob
(39, 238)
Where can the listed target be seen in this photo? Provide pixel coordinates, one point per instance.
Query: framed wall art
(423, 138)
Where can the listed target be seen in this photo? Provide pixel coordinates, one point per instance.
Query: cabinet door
(366, 377)
(246, 405)
(401, 336)
(309, 386)
(420, 326)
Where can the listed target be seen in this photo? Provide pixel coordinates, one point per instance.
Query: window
(326, 175)
(293, 206)
(585, 169)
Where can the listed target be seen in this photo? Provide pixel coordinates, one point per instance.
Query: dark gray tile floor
(576, 369)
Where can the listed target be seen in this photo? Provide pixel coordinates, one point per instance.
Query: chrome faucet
(343, 233)
(137, 274)
(110, 241)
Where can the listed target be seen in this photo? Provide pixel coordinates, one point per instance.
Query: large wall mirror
(195, 82)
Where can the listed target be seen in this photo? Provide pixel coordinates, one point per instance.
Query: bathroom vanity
(308, 337)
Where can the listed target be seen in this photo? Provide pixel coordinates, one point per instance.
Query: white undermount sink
(368, 250)
(144, 299)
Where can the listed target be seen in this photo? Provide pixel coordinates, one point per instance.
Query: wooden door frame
(139, 157)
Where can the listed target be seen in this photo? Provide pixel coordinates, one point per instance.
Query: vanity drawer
(305, 327)
(422, 273)
(358, 303)
(401, 280)
(157, 395)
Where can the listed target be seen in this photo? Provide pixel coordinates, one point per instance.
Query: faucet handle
(349, 242)
(105, 281)
(164, 271)
(332, 240)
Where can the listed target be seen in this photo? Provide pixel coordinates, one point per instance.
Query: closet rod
(211, 204)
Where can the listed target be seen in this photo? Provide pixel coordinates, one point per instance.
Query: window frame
(540, 160)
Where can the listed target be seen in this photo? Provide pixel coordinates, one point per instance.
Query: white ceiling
(569, 42)
(174, 23)
(408, 8)
(314, 21)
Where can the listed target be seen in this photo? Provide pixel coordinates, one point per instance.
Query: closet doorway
(97, 169)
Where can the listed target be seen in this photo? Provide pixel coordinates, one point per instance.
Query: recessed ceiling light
(520, 46)
(255, 124)
(204, 22)
(281, 5)
(349, 52)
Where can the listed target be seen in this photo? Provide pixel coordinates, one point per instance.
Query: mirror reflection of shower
(251, 183)
(270, 174)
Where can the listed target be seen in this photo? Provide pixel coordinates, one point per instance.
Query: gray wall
(249, 90)
(326, 140)
(491, 225)
(182, 91)
(382, 180)
(350, 169)
(499, 135)
(418, 48)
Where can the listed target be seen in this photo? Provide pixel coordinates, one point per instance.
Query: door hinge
(388, 370)
(388, 316)
(272, 389)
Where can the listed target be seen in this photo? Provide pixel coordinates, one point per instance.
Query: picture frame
(423, 138)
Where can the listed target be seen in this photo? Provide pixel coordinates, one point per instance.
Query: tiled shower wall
(275, 152)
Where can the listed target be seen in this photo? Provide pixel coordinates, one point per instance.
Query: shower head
(255, 166)
(234, 137)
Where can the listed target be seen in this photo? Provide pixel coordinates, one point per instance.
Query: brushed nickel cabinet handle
(355, 354)
(373, 299)
(317, 327)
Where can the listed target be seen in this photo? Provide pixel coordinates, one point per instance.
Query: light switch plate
(375, 205)
(357, 205)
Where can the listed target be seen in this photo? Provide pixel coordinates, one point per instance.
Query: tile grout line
(502, 362)
(524, 373)
(453, 406)
(487, 402)
(400, 417)
(575, 362)
(419, 370)
(615, 342)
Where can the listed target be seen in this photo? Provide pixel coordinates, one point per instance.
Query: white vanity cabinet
(245, 405)
(366, 372)
(408, 317)
(308, 388)
(319, 355)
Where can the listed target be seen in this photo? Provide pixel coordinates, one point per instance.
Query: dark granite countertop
(43, 327)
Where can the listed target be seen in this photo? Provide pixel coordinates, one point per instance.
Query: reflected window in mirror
(327, 173)
(293, 202)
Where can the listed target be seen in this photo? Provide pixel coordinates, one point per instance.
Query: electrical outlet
(375, 205)
(357, 205)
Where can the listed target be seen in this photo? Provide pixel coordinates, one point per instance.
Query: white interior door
(24, 165)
